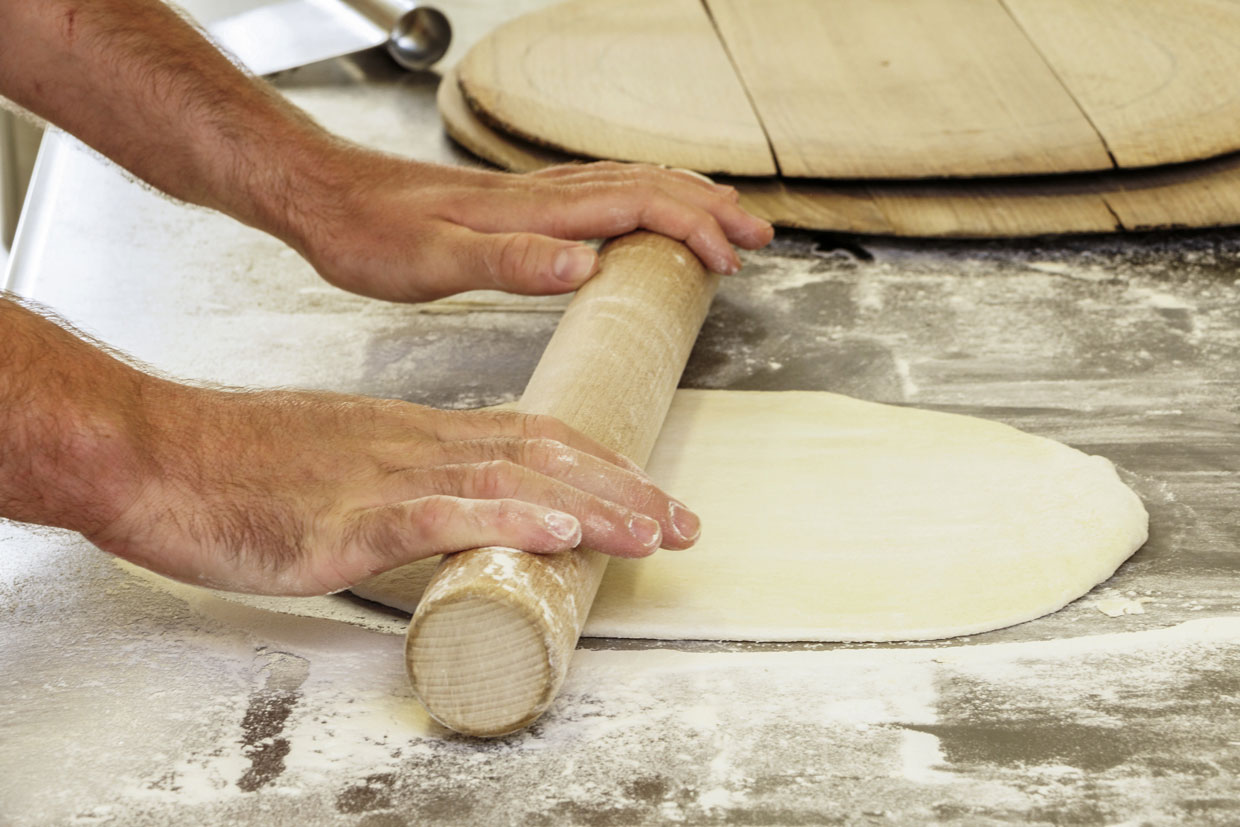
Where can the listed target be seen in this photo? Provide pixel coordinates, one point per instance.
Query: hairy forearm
(132, 79)
(286, 492)
(135, 81)
(70, 425)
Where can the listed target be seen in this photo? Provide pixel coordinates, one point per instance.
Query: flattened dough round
(829, 518)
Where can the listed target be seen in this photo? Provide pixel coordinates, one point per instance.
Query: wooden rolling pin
(491, 639)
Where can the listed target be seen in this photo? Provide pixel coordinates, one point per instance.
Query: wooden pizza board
(850, 89)
(1203, 194)
(623, 79)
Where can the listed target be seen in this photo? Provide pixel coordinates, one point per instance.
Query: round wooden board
(626, 79)
(863, 89)
(1204, 194)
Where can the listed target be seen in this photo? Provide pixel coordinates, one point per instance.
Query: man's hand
(142, 86)
(307, 493)
(295, 492)
(302, 493)
(406, 231)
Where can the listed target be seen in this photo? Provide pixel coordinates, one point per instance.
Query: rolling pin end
(483, 654)
(488, 682)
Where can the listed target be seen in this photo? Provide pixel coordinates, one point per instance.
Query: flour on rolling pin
(503, 567)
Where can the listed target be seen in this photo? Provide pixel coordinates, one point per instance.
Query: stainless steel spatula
(295, 33)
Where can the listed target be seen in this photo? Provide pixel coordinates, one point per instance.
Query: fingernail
(697, 175)
(644, 530)
(730, 266)
(563, 527)
(573, 264)
(686, 523)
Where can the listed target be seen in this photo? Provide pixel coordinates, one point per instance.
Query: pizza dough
(829, 518)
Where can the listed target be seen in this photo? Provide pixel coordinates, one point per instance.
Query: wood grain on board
(1184, 196)
(505, 151)
(633, 80)
(899, 89)
(869, 89)
(1201, 194)
(1000, 208)
(1204, 194)
(1156, 79)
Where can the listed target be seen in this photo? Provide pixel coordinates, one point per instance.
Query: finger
(696, 227)
(606, 210)
(616, 171)
(549, 458)
(457, 258)
(392, 535)
(525, 263)
(693, 176)
(739, 226)
(606, 526)
(678, 182)
(489, 422)
(583, 204)
(720, 200)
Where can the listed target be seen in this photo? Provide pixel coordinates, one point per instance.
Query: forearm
(139, 84)
(70, 425)
(142, 86)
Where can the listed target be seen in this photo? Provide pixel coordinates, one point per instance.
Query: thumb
(535, 264)
(399, 533)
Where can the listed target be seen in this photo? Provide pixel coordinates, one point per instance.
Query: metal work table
(124, 700)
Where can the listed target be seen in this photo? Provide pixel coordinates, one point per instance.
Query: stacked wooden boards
(881, 115)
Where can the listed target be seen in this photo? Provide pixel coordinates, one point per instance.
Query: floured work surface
(1123, 346)
(289, 720)
(830, 518)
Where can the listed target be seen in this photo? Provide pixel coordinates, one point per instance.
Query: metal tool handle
(418, 35)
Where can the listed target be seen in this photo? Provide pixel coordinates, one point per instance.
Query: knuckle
(721, 199)
(534, 426)
(509, 514)
(500, 419)
(644, 188)
(605, 166)
(701, 236)
(508, 447)
(549, 455)
(705, 228)
(496, 479)
(517, 253)
(647, 498)
(433, 517)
